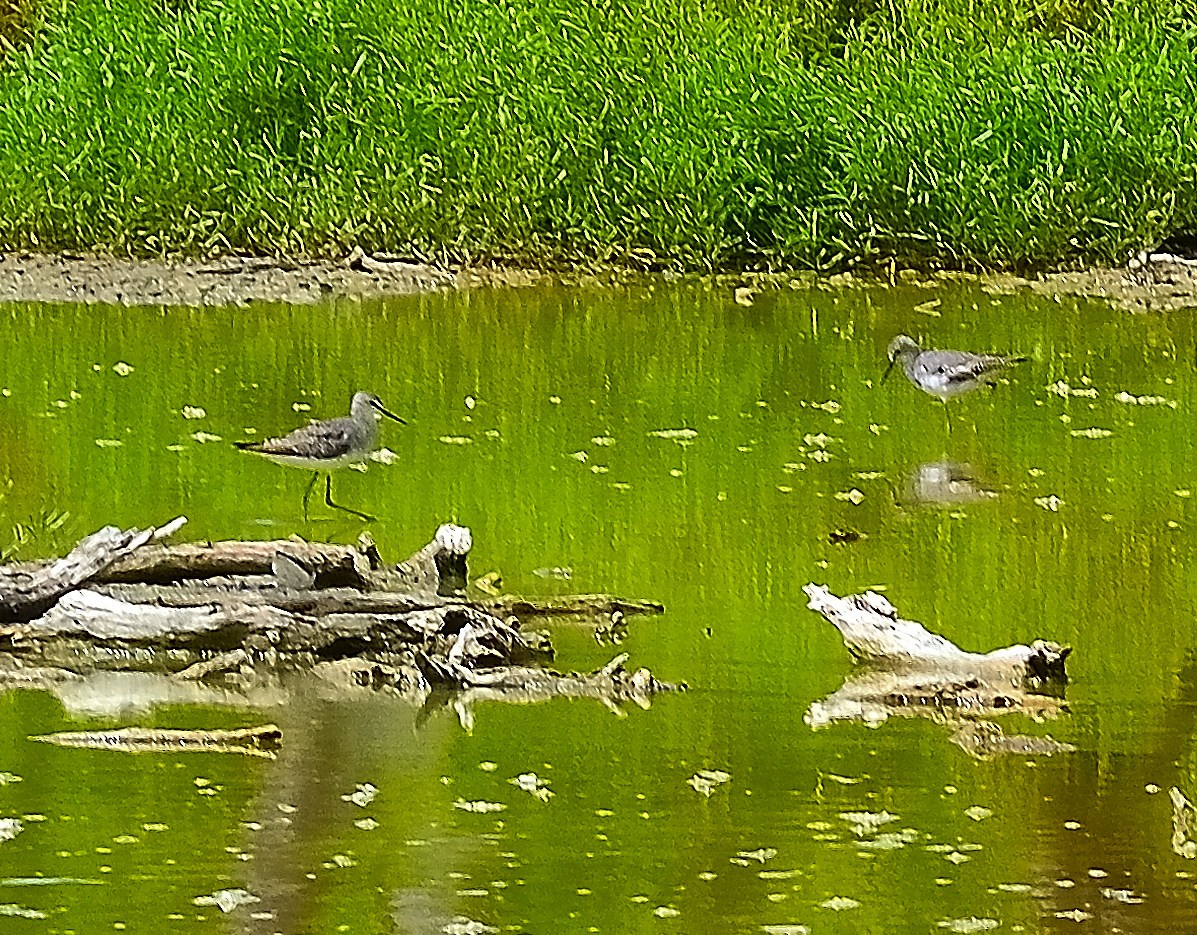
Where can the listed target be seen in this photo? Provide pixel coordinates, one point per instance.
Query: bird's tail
(248, 446)
(991, 362)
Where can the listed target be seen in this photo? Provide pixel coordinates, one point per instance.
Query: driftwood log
(1184, 824)
(905, 670)
(245, 617)
(28, 590)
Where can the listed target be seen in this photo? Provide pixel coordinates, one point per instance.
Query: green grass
(686, 133)
(17, 23)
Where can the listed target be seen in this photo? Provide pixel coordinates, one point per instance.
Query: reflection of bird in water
(946, 483)
(327, 445)
(944, 374)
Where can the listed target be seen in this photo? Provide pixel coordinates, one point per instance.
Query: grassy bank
(696, 132)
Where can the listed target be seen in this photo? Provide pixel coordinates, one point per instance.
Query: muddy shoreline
(1156, 282)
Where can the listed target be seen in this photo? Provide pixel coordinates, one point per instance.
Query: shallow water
(536, 418)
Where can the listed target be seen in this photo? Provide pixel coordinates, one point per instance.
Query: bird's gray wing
(329, 439)
(963, 367)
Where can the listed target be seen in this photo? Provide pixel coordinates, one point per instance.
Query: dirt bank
(226, 281)
(1159, 282)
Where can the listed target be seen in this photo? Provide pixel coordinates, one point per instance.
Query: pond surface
(546, 420)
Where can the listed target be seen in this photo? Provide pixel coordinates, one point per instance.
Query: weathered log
(454, 630)
(16, 673)
(908, 671)
(26, 591)
(83, 656)
(250, 591)
(332, 565)
(1184, 824)
(310, 579)
(438, 568)
(242, 618)
(257, 592)
(874, 634)
(87, 614)
(253, 741)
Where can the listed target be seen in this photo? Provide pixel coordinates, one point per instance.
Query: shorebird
(323, 446)
(944, 374)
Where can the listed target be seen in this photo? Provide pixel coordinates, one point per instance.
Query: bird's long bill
(386, 412)
(888, 369)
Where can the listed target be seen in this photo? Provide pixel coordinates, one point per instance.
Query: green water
(531, 418)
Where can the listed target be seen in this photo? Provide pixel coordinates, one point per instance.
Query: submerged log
(125, 694)
(573, 605)
(985, 740)
(612, 680)
(253, 741)
(872, 697)
(905, 670)
(612, 685)
(246, 685)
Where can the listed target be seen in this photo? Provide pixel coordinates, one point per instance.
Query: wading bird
(324, 446)
(944, 374)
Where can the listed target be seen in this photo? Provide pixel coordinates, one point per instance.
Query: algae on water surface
(778, 434)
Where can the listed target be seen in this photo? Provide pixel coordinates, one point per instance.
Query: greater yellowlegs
(324, 446)
(944, 374)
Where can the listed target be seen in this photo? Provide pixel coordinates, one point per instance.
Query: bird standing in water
(324, 446)
(944, 374)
